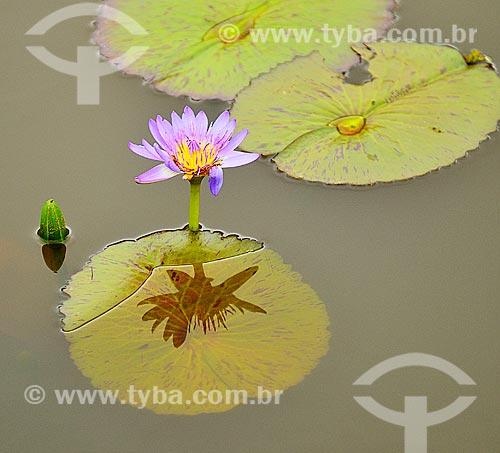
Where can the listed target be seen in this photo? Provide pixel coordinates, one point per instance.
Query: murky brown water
(401, 268)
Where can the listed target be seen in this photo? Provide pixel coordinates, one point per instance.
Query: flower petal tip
(216, 178)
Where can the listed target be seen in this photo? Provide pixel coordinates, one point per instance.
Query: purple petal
(164, 126)
(165, 155)
(225, 135)
(215, 180)
(188, 120)
(221, 135)
(155, 174)
(169, 134)
(148, 152)
(234, 142)
(176, 121)
(220, 123)
(188, 114)
(170, 164)
(166, 132)
(236, 159)
(201, 124)
(153, 150)
(153, 127)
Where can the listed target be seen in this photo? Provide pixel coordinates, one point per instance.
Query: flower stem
(194, 204)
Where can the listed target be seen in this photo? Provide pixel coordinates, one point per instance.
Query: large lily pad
(424, 108)
(113, 274)
(214, 315)
(207, 49)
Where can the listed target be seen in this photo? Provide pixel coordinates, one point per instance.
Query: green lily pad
(207, 49)
(120, 269)
(425, 107)
(238, 320)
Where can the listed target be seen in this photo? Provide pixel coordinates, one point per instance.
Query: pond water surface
(401, 268)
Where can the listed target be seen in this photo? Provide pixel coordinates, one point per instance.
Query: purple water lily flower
(192, 147)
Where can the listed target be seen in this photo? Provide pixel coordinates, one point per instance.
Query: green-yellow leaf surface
(120, 269)
(212, 49)
(178, 313)
(424, 108)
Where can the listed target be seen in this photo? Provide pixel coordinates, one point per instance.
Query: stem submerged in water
(194, 204)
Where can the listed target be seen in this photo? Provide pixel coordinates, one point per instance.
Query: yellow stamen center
(195, 159)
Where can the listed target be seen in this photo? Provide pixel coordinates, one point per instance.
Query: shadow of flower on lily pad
(197, 303)
(193, 311)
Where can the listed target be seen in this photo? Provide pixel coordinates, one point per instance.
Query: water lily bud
(52, 223)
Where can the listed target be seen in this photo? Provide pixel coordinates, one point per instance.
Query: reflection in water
(53, 255)
(197, 302)
(238, 317)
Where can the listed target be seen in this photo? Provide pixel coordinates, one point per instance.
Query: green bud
(52, 223)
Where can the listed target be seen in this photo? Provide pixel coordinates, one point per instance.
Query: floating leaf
(424, 108)
(238, 320)
(212, 50)
(120, 269)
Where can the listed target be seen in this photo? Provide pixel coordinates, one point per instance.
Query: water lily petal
(236, 159)
(188, 117)
(155, 174)
(153, 127)
(229, 130)
(201, 123)
(154, 150)
(165, 155)
(215, 180)
(166, 132)
(171, 165)
(234, 142)
(164, 127)
(220, 123)
(141, 150)
(221, 135)
(176, 122)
